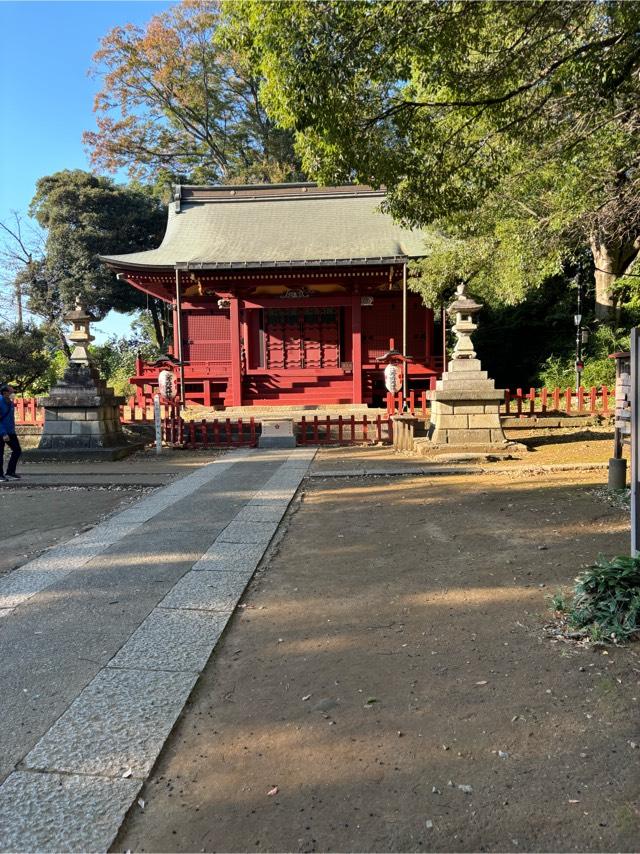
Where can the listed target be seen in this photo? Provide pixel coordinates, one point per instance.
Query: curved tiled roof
(273, 225)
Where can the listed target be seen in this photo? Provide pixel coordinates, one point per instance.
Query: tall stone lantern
(465, 410)
(81, 415)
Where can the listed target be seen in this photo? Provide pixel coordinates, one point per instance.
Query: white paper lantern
(392, 378)
(167, 385)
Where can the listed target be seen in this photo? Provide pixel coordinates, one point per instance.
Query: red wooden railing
(534, 402)
(336, 430)
(219, 433)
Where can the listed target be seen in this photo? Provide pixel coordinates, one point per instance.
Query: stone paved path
(103, 638)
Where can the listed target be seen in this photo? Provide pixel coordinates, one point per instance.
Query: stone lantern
(81, 415)
(465, 412)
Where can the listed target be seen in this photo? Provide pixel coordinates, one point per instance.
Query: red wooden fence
(336, 430)
(534, 402)
(219, 433)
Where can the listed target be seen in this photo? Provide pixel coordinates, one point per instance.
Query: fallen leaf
(141, 803)
(482, 682)
(273, 791)
(127, 773)
(573, 801)
(306, 697)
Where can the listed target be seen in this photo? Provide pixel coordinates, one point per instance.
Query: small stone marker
(277, 434)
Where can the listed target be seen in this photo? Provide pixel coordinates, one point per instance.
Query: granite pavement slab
(230, 557)
(19, 586)
(61, 812)
(207, 591)
(170, 639)
(117, 725)
(261, 513)
(251, 532)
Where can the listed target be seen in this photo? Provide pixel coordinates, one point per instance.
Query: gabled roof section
(272, 225)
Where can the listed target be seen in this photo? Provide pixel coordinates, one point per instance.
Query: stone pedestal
(81, 412)
(277, 433)
(466, 408)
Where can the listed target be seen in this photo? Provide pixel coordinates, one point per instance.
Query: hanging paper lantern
(167, 385)
(393, 378)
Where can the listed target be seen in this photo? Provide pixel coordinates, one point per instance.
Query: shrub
(607, 599)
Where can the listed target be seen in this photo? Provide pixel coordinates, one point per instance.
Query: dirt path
(392, 652)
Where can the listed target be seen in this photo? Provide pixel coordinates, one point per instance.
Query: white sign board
(157, 422)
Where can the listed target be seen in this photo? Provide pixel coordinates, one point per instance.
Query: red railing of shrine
(543, 401)
(518, 403)
(337, 430)
(218, 433)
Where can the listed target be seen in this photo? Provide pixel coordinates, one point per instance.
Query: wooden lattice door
(302, 338)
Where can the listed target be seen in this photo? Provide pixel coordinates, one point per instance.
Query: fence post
(204, 434)
(519, 402)
(532, 401)
(303, 430)
(412, 402)
(365, 432)
(340, 428)
(353, 429)
(567, 396)
(252, 431)
(593, 399)
(580, 399)
(605, 400)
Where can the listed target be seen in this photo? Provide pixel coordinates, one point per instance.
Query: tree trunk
(605, 260)
(158, 325)
(18, 288)
(611, 261)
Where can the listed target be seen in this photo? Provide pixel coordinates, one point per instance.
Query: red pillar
(235, 399)
(356, 347)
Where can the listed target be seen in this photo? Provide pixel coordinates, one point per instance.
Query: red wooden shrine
(265, 314)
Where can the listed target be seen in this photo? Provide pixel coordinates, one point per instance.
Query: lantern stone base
(82, 419)
(465, 410)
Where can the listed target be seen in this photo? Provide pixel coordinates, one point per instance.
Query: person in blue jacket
(8, 433)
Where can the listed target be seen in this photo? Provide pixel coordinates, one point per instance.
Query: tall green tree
(24, 360)
(178, 101)
(510, 126)
(84, 216)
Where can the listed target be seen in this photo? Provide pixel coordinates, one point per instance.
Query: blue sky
(46, 96)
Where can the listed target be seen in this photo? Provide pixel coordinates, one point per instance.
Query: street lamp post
(577, 318)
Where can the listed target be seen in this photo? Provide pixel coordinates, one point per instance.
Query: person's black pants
(16, 450)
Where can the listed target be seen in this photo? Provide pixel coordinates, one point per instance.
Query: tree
(511, 126)
(24, 361)
(177, 101)
(21, 250)
(85, 216)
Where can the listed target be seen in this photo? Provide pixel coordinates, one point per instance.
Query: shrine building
(283, 294)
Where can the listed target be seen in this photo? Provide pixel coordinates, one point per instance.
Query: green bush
(599, 369)
(607, 600)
